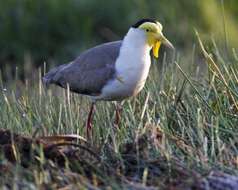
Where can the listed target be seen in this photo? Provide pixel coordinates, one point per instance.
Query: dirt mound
(70, 159)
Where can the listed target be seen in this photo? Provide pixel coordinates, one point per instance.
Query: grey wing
(89, 72)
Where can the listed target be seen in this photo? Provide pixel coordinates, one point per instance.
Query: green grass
(188, 118)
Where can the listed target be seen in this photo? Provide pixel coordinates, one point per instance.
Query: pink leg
(89, 120)
(118, 114)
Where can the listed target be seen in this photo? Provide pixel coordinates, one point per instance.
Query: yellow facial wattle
(155, 36)
(154, 43)
(156, 47)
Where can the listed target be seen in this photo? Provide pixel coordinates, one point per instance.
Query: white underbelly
(128, 82)
(132, 68)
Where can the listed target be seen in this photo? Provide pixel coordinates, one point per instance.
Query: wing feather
(88, 73)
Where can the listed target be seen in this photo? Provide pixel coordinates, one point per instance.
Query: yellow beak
(156, 46)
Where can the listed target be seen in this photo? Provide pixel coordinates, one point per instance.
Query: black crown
(140, 22)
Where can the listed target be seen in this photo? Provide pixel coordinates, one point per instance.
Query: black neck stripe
(140, 22)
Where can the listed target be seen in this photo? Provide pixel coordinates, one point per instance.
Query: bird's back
(88, 73)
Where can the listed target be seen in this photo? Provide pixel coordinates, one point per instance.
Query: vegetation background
(180, 132)
(57, 31)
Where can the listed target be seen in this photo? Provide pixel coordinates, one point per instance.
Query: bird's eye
(147, 30)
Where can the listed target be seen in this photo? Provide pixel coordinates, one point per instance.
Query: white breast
(132, 68)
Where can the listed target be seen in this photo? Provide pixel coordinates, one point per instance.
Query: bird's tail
(48, 78)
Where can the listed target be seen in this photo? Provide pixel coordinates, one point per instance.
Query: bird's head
(153, 31)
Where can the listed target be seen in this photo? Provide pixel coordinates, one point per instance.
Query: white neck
(134, 60)
(134, 51)
(132, 67)
(136, 39)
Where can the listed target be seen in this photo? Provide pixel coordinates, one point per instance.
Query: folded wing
(89, 72)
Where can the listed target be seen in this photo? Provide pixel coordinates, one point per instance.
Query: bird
(112, 71)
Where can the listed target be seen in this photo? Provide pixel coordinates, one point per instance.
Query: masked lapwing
(112, 71)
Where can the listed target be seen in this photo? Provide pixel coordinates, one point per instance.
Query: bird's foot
(89, 130)
(89, 121)
(118, 115)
